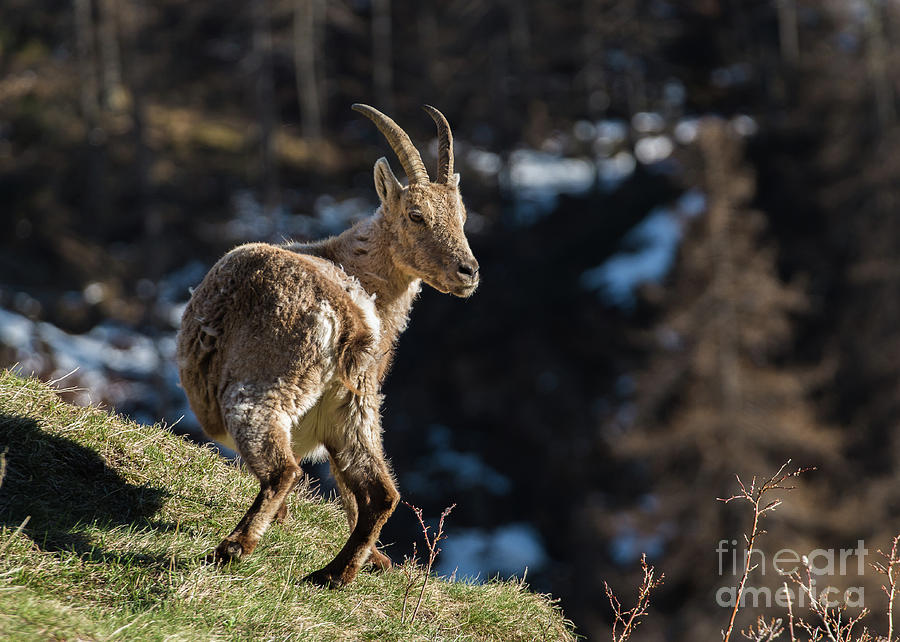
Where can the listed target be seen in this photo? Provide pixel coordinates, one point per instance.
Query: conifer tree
(713, 401)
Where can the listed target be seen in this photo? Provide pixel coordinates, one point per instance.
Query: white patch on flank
(324, 327)
(312, 426)
(365, 302)
(315, 456)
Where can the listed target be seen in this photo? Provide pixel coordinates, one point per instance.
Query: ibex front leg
(348, 500)
(364, 475)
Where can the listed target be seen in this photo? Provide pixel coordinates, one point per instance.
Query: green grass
(118, 516)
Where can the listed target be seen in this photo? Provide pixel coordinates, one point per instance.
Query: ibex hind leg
(262, 437)
(377, 559)
(367, 478)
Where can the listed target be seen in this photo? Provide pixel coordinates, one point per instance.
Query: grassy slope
(120, 515)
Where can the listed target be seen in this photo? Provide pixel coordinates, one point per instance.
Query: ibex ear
(386, 184)
(454, 180)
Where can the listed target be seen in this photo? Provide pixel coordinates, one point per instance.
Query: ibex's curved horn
(445, 144)
(400, 143)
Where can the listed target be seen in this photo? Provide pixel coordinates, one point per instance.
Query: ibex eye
(415, 216)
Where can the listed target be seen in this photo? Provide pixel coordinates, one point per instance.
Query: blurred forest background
(686, 219)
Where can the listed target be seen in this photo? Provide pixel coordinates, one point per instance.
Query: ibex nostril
(468, 270)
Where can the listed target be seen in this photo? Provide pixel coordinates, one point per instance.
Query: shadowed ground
(61, 486)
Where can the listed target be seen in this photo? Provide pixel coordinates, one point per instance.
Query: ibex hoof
(324, 578)
(282, 515)
(379, 561)
(225, 553)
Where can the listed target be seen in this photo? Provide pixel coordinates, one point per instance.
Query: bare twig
(888, 569)
(410, 572)
(790, 608)
(755, 495)
(764, 631)
(833, 627)
(630, 619)
(433, 550)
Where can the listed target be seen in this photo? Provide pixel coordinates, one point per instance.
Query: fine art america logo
(814, 568)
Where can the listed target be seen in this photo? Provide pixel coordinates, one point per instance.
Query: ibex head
(426, 218)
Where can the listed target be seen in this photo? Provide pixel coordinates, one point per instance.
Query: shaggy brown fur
(283, 349)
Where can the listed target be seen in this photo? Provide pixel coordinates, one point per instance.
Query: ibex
(283, 348)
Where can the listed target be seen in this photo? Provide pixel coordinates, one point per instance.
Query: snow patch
(686, 130)
(656, 239)
(649, 251)
(476, 554)
(465, 470)
(540, 171)
(611, 132)
(613, 171)
(744, 125)
(252, 222)
(627, 547)
(536, 179)
(484, 162)
(653, 149)
(335, 216)
(647, 122)
(112, 364)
